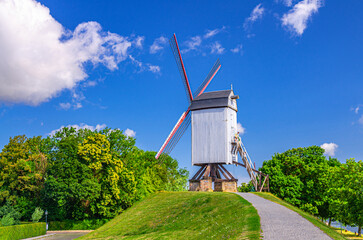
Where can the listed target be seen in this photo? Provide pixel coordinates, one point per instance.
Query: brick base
(203, 185)
(225, 186)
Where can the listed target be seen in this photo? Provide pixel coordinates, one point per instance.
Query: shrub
(22, 231)
(7, 212)
(7, 220)
(37, 215)
(87, 224)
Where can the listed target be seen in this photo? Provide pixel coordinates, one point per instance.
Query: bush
(37, 215)
(7, 220)
(22, 231)
(87, 224)
(8, 212)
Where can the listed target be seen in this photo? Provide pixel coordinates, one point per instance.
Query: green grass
(322, 226)
(184, 215)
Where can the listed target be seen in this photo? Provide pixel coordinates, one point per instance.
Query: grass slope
(322, 226)
(184, 215)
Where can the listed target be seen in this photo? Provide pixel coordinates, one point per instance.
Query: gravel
(279, 222)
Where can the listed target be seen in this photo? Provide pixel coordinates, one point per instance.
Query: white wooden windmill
(214, 141)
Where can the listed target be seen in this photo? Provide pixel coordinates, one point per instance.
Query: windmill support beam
(212, 173)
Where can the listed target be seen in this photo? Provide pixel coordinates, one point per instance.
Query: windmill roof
(216, 94)
(217, 99)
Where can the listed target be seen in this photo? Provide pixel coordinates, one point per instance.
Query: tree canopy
(81, 174)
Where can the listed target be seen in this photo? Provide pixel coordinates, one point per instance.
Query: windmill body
(214, 125)
(213, 116)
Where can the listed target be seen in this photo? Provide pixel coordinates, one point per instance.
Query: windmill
(213, 116)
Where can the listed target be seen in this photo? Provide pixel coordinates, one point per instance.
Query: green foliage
(245, 187)
(7, 220)
(346, 193)
(87, 224)
(82, 174)
(301, 176)
(37, 214)
(184, 215)
(9, 215)
(22, 231)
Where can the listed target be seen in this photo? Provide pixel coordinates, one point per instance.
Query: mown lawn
(184, 215)
(322, 226)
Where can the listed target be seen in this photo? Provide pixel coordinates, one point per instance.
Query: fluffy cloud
(329, 148)
(40, 58)
(158, 44)
(237, 49)
(98, 127)
(192, 44)
(297, 18)
(145, 66)
(211, 33)
(217, 48)
(241, 129)
(130, 133)
(256, 14)
(361, 120)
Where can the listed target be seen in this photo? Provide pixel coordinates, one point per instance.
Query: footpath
(279, 222)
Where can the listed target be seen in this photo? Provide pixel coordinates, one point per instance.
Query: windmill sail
(179, 62)
(208, 79)
(175, 134)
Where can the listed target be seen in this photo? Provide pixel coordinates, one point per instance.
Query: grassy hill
(184, 215)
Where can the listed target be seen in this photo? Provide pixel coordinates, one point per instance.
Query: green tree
(118, 187)
(22, 168)
(301, 176)
(346, 193)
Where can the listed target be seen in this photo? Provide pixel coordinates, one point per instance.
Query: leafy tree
(346, 193)
(37, 214)
(118, 185)
(9, 215)
(301, 176)
(245, 187)
(22, 169)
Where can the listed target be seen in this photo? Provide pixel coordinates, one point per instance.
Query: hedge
(16, 232)
(87, 224)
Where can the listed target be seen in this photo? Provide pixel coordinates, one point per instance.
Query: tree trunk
(360, 231)
(329, 222)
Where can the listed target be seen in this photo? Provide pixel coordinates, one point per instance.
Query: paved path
(279, 222)
(60, 235)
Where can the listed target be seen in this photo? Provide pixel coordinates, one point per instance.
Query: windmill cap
(217, 99)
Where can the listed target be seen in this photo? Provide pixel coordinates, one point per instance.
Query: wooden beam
(230, 175)
(225, 176)
(198, 172)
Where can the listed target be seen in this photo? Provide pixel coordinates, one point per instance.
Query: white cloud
(357, 108)
(217, 48)
(256, 14)
(98, 127)
(287, 3)
(130, 133)
(154, 69)
(40, 58)
(158, 44)
(147, 66)
(192, 44)
(297, 18)
(211, 33)
(240, 129)
(237, 49)
(65, 106)
(361, 120)
(329, 148)
(139, 41)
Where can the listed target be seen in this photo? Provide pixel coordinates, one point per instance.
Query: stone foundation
(225, 186)
(203, 185)
(194, 185)
(206, 185)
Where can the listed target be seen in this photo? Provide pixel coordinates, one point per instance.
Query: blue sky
(296, 65)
